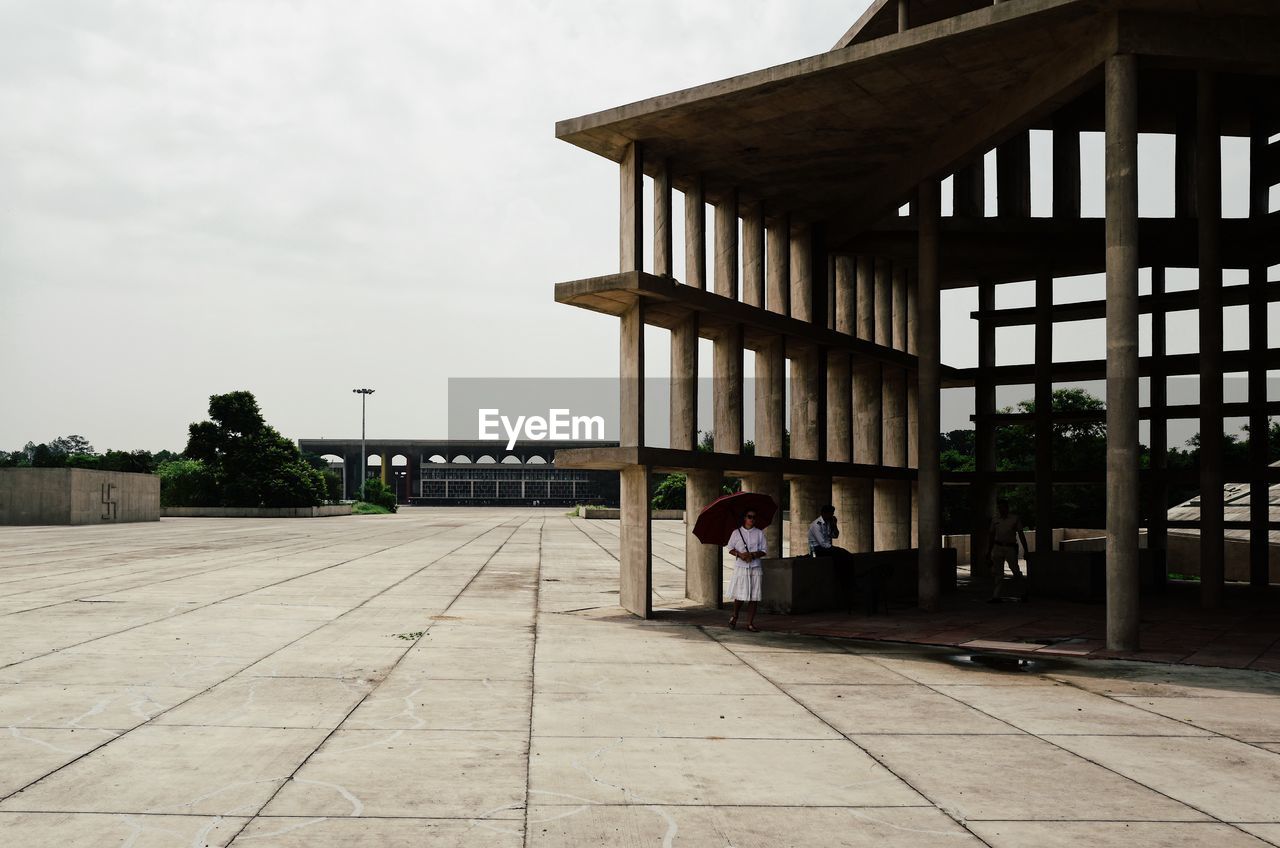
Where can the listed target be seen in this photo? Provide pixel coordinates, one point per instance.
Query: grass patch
(363, 508)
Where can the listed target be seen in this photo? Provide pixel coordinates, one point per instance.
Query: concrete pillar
(386, 467)
(684, 383)
(867, 413)
(899, 306)
(884, 303)
(904, 15)
(839, 403)
(1259, 423)
(1121, 93)
(846, 296)
(969, 190)
(631, 217)
(865, 297)
(726, 267)
(857, 514)
(662, 238)
(1208, 216)
(726, 390)
(753, 255)
(892, 530)
(1013, 177)
(771, 485)
(631, 377)
(983, 494)
(703, 568)
(778, 265)
(928, 495)
(1158, 510)
(695, 235)
(806, 403)
(893, 497)
(808, 494)
(1044, 413)
(801, 273)
(1066, 169)
(771, 387)
(635, 542)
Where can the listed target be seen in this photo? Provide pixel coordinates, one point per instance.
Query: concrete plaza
(464, 677)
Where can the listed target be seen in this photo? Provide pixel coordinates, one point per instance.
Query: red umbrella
(724, 515)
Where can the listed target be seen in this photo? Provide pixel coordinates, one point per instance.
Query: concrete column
(726, 268)
(884, 303)
(1044, 413)
(969, 190)
(801, 272)
(771, 485)
(1158, 511)
(662, 238)
(726, 391)
(893, 497)
(1259, 423)
(856, 503)
(1066, 169)
(806, 404)
(899, 306)
(753, 255)
(1208, 216)
(771, 387)
(386, 467)
(631, 217)
(778, 265)
(839, 403)
(1013, 177)
(865, 296)
(703, 568)
(635, 542)
(695, 235)
(894, 416)
(631, 377)
(904, 15)
(983, 494)
(1121, 92)
(892, 531)
(846, 296)
(867, 413)
(684, 383)
(808, 494)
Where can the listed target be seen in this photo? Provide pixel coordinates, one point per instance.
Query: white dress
(745, 584)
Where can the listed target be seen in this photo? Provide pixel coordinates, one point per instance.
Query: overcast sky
(301, 198)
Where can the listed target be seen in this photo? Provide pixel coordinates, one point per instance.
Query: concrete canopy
(845, 137)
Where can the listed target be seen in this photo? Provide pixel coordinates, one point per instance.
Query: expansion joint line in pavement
(959, 822)
(426, 629)
(533, 680)
(254, 662)
(614, 556)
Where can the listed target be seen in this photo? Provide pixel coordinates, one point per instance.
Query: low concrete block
(256, 512)
(33, 496)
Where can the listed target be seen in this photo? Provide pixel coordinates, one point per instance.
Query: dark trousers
(845, 581)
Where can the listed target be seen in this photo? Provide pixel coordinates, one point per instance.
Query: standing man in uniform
(1002, 547)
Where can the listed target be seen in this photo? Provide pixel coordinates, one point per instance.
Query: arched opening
(437, 458)
(398, 477)
(486, 460)
(511, 460)
(536, 460)
(461, 460)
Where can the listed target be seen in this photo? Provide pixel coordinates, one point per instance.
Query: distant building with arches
(451, 472)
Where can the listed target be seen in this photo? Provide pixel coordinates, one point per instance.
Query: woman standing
(747, 545)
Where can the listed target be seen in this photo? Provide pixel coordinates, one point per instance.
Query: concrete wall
(256, 512)
(77, 496)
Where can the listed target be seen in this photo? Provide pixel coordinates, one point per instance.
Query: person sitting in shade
(822, 532)
(747, 544)
(1002, 547)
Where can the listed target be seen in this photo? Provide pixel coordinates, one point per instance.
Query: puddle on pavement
(1004, 662)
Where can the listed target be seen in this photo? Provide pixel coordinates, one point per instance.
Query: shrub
(186, 482)
(379, 494)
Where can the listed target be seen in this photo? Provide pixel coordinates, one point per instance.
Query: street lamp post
(364, 457)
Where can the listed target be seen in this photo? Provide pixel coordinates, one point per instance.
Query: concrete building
(77, 496)
(443, 472)
(829, 253)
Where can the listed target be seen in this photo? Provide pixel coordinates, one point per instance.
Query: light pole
(364, 457)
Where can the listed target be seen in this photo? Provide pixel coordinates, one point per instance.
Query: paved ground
(461, 677)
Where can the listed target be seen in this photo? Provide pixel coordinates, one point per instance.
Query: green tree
(251, 463)
(186, 482)
(376, 492)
